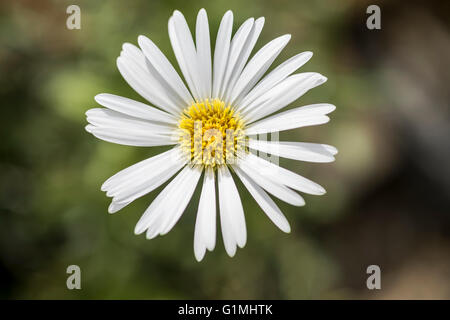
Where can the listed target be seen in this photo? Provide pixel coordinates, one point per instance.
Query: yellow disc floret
(211, 133)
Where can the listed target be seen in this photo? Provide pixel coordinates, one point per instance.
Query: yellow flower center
(212, 133)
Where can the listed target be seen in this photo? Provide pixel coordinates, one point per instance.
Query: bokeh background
(387, 200)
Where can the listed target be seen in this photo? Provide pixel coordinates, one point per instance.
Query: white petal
(160, 85)
(229, 240)
(166, 213)
(114, 206)
(130, 137)
(144, 83)
(156, 208)
(243, 57)
(294, 118)
(179, 56)
(164, 69)
(185, 52)
(276, 188)
(142, 178)
(135, 54)
(203, 44)
(265, 202)
(237, 45)
(119, 204)
(256, 67)
(106, 118)
(149, 181)
(134, 108)
(284, 93)
(221, 51)
(136, 169)
(283, 176)
(313, 152)
(276, 76)
(181, 198)
(199, 244)
(330, 149)
(205, 225)
(231, 212)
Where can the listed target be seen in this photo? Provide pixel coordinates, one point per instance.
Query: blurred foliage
(53, 214)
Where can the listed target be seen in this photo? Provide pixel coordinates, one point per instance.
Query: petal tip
(199, 255)
(142, 39)
(177, 13)
(286, 229)
(231, 254)
(89, 128)
(138, 229)
(301, 203)
(99, 98)
(321, 79)
(112, 209)
(228, 15)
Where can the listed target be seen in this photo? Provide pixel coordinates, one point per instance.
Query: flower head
(212, 123)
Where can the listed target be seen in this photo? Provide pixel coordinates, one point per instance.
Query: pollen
(211, 133)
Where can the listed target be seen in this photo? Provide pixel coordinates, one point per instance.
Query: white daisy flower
(226, 99)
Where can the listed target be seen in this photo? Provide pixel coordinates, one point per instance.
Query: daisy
(212, 122)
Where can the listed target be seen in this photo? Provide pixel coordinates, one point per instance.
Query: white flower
(223, 93)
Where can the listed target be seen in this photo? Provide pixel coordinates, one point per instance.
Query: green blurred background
(387, 200)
